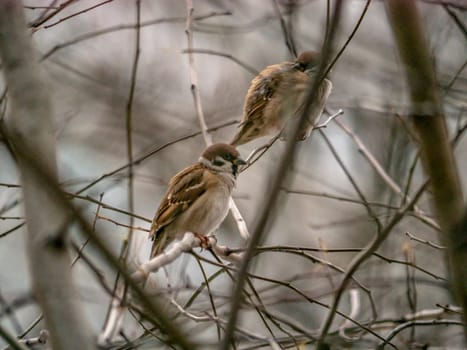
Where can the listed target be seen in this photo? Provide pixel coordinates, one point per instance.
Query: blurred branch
(188, 242)
(150, 153)
(429, 243)
(45, 18)
(152, 311)
(300, 250)
(107, 206)
(30, 123)
(11, 230)
(369, 209)
(41, 339)
(11, 340)
(429, 122)
(289, 40)
(94, 222)
(211, 298)
(457, 75)
(125, 248)
(456, 20)
(193, 75)
(135, 228)
(337, 197)
(243, 230)
(74, 15)
(116, 28)
(355, 306)
(271, 195)
(360, 258)
(352, 34)
(403, 326)
(242, 64)
(303, 295)
(384, 175)
(459, 4)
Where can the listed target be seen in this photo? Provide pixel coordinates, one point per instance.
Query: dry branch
(430, 125)
(30, 122)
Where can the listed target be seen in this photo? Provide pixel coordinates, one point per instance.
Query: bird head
(308, 61)
(222, 157)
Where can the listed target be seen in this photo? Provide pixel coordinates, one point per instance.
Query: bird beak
(298, 66)
(239, 161)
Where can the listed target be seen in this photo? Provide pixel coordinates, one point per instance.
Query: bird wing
(261, 90)
(324, 89)
(184, 189)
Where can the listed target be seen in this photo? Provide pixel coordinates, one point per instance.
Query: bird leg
(203, 240)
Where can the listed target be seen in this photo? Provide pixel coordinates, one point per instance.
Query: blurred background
(88, 60)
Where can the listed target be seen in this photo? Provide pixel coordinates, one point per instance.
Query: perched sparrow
(197, 199)
(276, 94)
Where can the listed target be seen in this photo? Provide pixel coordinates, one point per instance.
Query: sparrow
(197, 198)
(276, 94)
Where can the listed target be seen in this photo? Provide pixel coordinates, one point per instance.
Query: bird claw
(203, 240)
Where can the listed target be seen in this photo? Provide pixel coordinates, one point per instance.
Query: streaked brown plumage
(276, 94)
(197, 199)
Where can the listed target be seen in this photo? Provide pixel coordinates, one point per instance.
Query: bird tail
(237, 140)
(160, 242)
(243, 135)
(156, 249)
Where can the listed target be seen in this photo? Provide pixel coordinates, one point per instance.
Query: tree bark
(430, 125)
(30, 126)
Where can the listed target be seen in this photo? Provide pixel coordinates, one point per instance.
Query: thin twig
(146, 155)
(80, 250)
(429, 243)
(76, 14)
(45, 18)
(354, 310)
(135, 228)
(360, 258)
(302, 294)
(456, 20)
(11, 340)
(193, 75)
(337, 197)
(242, 64)
(211, 299)
(288, 38)
(330, 119)
(403, 326)
(349, 39)
(116, 28)
(383, 174)
(349, 176)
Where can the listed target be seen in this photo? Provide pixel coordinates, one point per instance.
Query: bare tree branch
(31, 124)
(275, 184)
(429, 122)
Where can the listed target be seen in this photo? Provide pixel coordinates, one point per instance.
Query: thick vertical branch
(270, 197)
(30, 122)
(429, 122)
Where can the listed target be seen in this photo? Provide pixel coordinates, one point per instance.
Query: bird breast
(207, 213)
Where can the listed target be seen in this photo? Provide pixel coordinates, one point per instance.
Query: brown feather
(276, 94)
(182, 192)
(197, 199)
